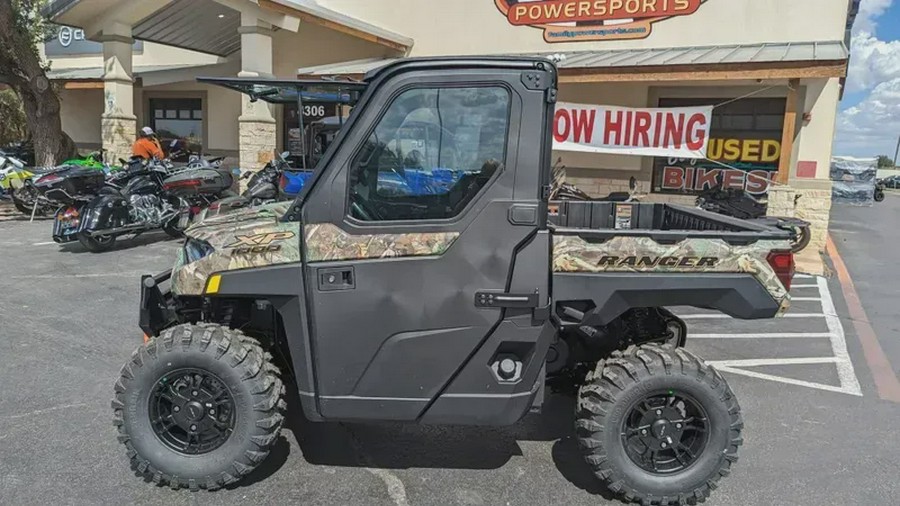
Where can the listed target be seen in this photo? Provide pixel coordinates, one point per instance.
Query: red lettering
(674, 131)
(673, 178)
(657, 128)
(689, 178)
(627, 134)
(706, 178)
(613, 127)
(561, 119)
(732, 178)
(583, 124)
(757, 182)
(641, 137)
(696, 132)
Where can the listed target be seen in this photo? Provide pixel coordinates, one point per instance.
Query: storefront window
(179, 119)
(745, 146)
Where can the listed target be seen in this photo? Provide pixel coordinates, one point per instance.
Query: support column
(118, 123)
(256, 125)
(789, 131)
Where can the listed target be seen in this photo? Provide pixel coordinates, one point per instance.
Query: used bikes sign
(574, 20)
(677, 132)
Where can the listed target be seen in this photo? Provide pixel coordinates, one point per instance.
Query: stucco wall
(316, 45)
(478, 27)
(81, 110)
(816, 138)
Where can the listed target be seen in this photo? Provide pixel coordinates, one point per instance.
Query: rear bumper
(157, 307)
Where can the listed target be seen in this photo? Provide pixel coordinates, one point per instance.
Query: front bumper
(157, 307)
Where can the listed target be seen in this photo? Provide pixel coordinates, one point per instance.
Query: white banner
(674, 132)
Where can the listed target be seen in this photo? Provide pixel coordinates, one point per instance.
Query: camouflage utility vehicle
(453, 306)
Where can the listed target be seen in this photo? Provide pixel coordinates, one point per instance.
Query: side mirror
(285, 155)
(173, 143)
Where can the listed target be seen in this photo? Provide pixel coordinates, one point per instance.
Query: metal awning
(211, 26)
(694, 55)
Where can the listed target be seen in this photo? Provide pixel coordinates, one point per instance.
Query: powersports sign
(579, 20)
(675, 132)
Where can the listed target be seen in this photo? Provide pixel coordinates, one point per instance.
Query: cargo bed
(664, 223)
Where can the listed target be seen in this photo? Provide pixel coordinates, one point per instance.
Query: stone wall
(814, 206)
(257, 144)
(118, 135)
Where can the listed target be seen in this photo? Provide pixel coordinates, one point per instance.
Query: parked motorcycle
(145, 196)
(561, 190)
(276, 181)
(737, 203)
(879, 190)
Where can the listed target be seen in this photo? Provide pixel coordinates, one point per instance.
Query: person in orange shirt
(147, 146)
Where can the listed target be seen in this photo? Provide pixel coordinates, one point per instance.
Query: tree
(22, 28)
(12, 126)
(885, 162)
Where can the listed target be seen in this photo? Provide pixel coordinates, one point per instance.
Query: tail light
(48, 178)
(184, 183)
(70, 213)
(782, 263)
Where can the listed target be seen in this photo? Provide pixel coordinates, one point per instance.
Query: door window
(430, 154)
(178, 119)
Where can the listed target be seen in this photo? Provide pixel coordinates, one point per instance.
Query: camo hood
(241, 239)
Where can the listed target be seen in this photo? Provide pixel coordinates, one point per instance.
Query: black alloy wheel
(192, 411)
(657, 425)
(665, 432)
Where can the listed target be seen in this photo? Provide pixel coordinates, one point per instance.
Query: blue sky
(869, 119)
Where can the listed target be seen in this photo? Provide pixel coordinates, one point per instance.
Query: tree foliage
(22, 29)
(12, 118)
(885, 162)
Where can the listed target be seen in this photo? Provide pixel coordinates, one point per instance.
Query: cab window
(431, 153)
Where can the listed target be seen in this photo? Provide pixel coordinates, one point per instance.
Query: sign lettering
(568, 20)
(681, 132)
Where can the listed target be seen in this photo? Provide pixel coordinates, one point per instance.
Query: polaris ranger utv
(446, 307)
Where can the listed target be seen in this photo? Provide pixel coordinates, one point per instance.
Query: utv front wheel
(200, 407)
(658, 426)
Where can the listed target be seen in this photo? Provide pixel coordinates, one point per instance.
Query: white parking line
(774, 335)
(849, 384)
(838, 343)
(704, 316)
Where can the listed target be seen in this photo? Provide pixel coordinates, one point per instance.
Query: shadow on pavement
(409, 445)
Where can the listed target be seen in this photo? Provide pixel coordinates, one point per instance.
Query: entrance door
(426, 220)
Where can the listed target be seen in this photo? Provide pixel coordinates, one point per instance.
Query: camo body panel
(232, 237)
(326, 242)
(224, 234)
(574, 254)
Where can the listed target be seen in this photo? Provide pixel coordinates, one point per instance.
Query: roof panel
(693, 55)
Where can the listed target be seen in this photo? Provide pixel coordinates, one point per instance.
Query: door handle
(502, 299)
(339, 278)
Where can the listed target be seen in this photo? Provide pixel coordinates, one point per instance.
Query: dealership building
(773, 70)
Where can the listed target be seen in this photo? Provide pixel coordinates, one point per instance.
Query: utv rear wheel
(200, 407)
(658, 426)
(97, 243)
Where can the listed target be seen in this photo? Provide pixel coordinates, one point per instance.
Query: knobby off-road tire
(226, 355)
(618, 385)
(803, 236)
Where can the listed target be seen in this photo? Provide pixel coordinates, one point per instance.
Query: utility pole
(897, 152)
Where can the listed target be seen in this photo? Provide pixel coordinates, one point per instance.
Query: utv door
(426, 250)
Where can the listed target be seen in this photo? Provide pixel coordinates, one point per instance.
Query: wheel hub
(191, 411)
(665, 433)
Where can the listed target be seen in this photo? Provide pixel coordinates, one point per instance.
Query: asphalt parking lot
(821, 427)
